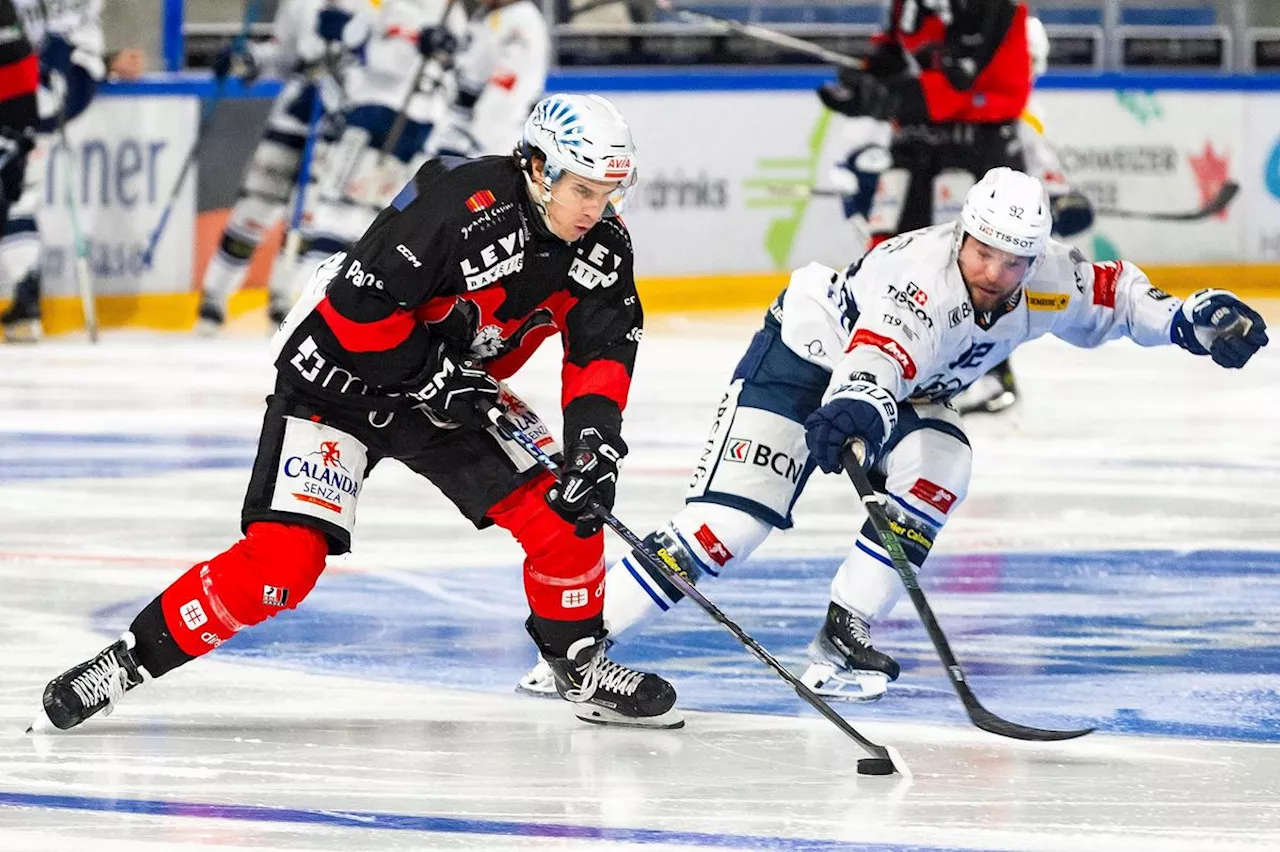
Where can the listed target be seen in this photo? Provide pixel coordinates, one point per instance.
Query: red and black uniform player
(19, 80)
(954, 76)
(395, 352)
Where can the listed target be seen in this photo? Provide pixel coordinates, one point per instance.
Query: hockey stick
(83, 273)
(979, 715)
(765, 34)
(402, 117)
(293, 235)
(206, 115)
(884, 760)
(801, 190)
(1213, 207)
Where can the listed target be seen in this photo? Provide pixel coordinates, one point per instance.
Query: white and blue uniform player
(501, 72)
(394, 100)
(67, 36)
(874, 352)
(314, 45)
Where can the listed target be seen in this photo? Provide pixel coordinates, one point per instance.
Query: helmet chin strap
(541, 197)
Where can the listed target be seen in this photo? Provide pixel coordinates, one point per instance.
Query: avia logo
(737, 450)
(790, 167)
(617, 168)
(1211, 173)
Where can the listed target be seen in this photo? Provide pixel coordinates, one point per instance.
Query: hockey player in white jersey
(394, 99)
(873, 353)
(313, 46)
(501, 73)
(67, 36)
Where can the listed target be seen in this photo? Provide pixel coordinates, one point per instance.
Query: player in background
(397, 351)
(67, 38)
(313, 46)
(501, 72)
(1072, 215)
(19, 80)
(954, 78)
(394, 100)
(899, 333)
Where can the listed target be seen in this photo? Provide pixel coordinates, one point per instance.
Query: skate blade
(602, 716)
(1000, 402)
(43, 725)
(208, 328)
(27, 331)
(536, 689)
(830, 682)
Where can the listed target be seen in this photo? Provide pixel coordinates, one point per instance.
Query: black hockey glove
(433, 40)
(590, 471)
(229, 63)
(1072, 213)
(455, 387)
(857, 93)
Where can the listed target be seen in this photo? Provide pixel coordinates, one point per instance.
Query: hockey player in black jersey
(396, 350)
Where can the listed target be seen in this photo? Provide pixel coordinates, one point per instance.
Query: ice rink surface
(1117, 564)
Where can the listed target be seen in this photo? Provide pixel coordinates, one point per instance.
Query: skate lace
(604, 673)
(104, 681)
(860, 632)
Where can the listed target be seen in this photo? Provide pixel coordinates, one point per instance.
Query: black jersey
(462, 252)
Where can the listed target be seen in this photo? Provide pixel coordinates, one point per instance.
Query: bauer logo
(193, 614)
(737, 450)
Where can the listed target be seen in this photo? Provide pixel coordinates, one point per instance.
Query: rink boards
(710, 146)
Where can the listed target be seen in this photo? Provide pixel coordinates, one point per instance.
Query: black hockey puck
(875, 766)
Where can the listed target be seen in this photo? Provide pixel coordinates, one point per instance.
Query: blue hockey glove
(1072, 213)
(433, 40)
(1216, 323)
(55, 54)
(856, 409)
(331, 22)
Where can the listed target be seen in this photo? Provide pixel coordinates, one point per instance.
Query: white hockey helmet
(584, 135)
(1037, 46)
(1008, 210)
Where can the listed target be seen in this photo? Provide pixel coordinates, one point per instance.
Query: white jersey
(504, 64)
(392, 60)
(79, 22)
(1041, 158)
(903, 318)
(295, 45)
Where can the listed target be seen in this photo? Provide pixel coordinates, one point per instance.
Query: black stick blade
(993, 724)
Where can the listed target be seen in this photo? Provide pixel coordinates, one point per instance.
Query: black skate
(210, 319)
(607, 693)
(991, 393)
(845, 665)
(91, 687)
(21, 322)
(277, 310)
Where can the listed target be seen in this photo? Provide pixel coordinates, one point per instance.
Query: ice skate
(991, 393)
(845, 665)
(210, 319)
(21, 322)
(93, 686)
(607, 693)
(538, 681)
